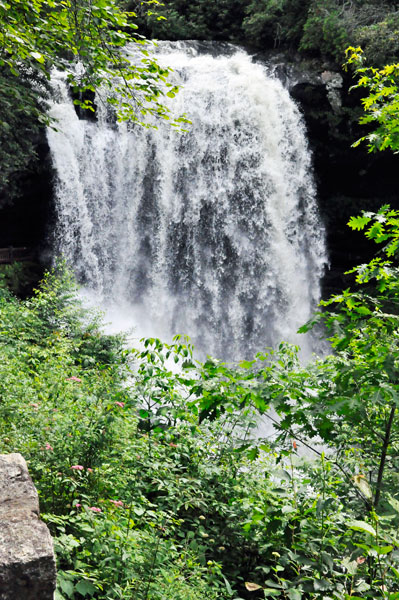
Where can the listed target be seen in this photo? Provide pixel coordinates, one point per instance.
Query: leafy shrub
(380, 40)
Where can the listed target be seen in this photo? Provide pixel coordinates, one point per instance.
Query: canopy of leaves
(63, 33)
(203, 20)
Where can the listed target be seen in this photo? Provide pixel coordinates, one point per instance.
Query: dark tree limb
(384, 451)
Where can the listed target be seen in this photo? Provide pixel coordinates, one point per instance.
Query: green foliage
(19, 278)
(36, 36)
(380, 39)
(331, 25)
(40, 35)
(319, 27)
(382, 103)
(177, 19)
(149, 473)
(325, 29)
(136, 491)
(22, 112)
(272, 22)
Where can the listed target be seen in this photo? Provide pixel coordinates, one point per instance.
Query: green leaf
(359, 223)
(321, 585)
(228, 586)
(67, 587)
(294, 594)
(383, 549)
(362, 526)
(253, 454)
(362, 484)
(85, 587)
(39, 57)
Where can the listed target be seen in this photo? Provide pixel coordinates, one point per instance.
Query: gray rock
(27, 564)
(334, 83)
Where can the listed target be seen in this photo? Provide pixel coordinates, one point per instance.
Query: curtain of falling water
(214, 233)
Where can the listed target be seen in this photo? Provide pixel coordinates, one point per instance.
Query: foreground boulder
(27, 565)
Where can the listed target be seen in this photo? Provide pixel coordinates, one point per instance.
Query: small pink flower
(48, 447)
(95, 509)
(77, 505)
(121, 404)
(173, 445)
(34, 405)
(360, 560)
(77, 467)
(90, 470)
(117, 502)
(73, 378)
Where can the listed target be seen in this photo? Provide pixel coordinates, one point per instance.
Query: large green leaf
(362, 526)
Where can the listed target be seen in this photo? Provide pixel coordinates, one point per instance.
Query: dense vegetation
(316, 27)
(149, 473)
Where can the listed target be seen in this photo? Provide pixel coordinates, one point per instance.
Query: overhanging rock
(27, 564)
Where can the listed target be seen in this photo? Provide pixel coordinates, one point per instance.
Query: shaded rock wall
(349, 180)
(27, 564)
(23, 220)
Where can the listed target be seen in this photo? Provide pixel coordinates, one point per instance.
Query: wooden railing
(11, 254)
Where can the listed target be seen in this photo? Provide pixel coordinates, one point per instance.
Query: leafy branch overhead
(93, 36)
(92, 42)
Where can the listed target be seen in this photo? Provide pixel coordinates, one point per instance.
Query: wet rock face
(27, 564)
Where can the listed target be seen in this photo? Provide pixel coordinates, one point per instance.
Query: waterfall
(215, 232)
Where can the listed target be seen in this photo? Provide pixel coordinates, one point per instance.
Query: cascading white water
(215, 232)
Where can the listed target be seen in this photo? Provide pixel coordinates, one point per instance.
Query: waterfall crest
(215, 232)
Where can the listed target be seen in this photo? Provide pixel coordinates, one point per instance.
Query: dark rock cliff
(348, 179)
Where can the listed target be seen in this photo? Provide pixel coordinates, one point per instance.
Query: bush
(380, 40)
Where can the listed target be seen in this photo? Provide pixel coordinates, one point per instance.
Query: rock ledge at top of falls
(302, 77)
(27, 563)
